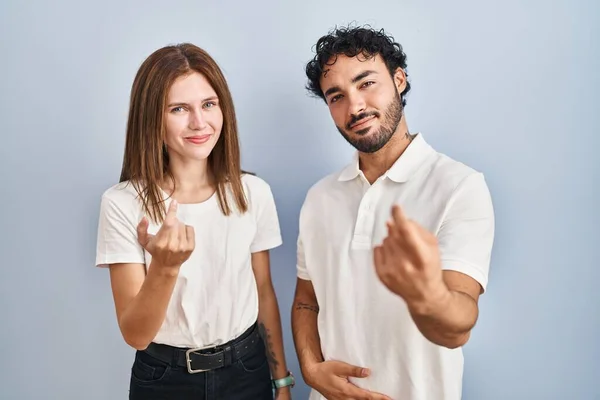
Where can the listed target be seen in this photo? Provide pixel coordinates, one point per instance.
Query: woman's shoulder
(254, 185)
(123, 195)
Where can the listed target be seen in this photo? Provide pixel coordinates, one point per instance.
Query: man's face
(364, 100)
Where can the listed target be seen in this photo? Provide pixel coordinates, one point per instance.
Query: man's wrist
(433, 302)
(307, 366)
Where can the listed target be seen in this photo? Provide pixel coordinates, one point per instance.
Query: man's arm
(305, 311)
(441, 277)
(269, 320)
(448, 316)
(330, 378)
(443, 303)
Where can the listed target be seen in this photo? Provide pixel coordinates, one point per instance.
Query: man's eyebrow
(357, 78)
(332, 90)
(363, 75)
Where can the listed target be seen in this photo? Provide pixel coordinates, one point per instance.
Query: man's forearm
(446, 319)
(269, 324)
(306, 334)
(143, 317)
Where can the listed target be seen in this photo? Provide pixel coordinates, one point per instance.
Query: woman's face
(193, 118)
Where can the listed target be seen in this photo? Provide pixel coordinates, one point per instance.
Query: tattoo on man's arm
(305, 306)
(264, 332)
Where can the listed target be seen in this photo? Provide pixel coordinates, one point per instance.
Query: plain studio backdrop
(507, 87)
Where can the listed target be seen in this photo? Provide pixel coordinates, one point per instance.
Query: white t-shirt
(215, 298)
(360, 321)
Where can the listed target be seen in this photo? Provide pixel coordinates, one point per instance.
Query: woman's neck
(189, 182)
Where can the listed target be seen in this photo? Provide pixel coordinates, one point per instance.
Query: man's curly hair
(352, 42)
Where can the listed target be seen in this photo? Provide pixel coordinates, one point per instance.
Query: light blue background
(508, 87)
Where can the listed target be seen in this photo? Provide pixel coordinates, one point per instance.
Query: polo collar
(404, 167)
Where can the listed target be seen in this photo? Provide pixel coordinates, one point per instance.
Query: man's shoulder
(449, 173)
(323, 186)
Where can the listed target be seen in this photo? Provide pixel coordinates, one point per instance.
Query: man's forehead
(344, 67)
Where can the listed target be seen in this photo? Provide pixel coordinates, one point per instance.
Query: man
(393, 250)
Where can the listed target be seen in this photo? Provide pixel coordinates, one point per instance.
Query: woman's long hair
(146, 161)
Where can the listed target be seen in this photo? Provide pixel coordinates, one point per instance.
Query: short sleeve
(466, 235)
(268, 233)
(301, 270)
(117, 235)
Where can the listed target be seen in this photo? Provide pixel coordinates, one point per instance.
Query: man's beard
(367, 142)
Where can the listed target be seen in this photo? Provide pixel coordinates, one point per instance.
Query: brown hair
(146, 161)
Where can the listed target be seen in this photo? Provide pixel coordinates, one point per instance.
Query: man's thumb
(353, 370)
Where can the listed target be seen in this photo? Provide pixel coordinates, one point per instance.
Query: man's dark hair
(352, 42)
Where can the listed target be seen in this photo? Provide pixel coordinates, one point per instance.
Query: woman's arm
(269, 320)
(141, 301)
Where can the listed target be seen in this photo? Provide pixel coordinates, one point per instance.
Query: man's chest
(357, 219)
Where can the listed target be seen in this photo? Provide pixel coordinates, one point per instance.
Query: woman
(186, 235)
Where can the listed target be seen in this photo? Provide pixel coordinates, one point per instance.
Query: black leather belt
(201, 360)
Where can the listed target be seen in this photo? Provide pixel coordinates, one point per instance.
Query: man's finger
(390, 250)
(407, 229)
(378, 256)
(355, 392)
(344, 369)
(398, 216)
(379, 396)
(402, 223)
(392, 231)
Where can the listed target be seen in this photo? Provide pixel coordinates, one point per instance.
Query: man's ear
(400, 79)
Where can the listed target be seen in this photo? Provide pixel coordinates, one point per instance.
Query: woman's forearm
(269, 323)
(141, 320)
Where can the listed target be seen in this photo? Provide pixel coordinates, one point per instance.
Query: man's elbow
(457, 341)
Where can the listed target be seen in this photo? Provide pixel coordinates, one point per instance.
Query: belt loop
(228, 355)
(174, 356)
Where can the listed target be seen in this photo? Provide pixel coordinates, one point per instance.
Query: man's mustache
(356, 118)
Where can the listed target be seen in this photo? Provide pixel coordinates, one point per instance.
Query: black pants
(248, 377)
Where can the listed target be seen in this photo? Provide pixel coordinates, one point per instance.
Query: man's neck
(376, 164)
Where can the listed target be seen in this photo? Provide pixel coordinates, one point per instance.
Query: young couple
(393, 251)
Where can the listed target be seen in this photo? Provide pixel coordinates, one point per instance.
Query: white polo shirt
(215, 298)
(360, 321)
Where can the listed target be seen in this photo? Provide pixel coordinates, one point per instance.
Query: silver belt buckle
(189, 362)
